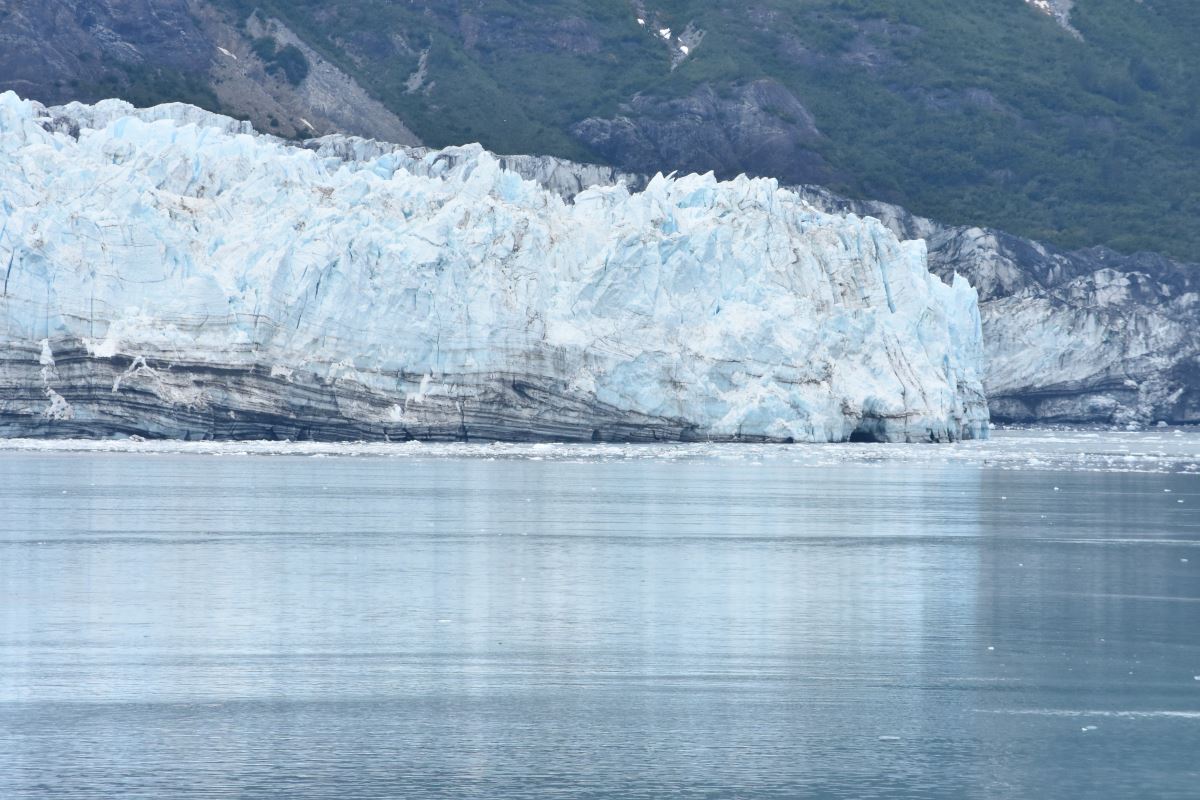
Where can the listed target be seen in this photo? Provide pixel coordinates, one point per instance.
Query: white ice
(176, 234)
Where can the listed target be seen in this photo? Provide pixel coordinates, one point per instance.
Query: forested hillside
(1076, 130)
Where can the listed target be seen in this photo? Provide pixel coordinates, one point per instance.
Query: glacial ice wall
(169, 273)
(1088, 336)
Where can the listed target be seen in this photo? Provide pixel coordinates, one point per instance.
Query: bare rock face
(48, 47)
(61, 50)
(326, 101)
(757, 128)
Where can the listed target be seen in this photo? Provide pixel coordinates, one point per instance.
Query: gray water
(1013, 619)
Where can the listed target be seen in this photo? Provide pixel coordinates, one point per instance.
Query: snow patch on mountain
(1060, 10)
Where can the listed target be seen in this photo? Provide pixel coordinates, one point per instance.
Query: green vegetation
(287, 61)
(969, 111)
(145, 86)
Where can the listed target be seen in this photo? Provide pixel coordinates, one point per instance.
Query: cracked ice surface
(187, 277)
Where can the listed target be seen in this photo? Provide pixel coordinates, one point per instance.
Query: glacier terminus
(170, 272)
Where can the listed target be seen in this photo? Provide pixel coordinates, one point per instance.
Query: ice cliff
(168, 272)
(1086, 336)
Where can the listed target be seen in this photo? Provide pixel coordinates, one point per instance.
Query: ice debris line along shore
(169, 272)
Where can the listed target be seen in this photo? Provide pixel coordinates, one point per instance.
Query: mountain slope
(187, 51)
(985, 112)
(1077, 123)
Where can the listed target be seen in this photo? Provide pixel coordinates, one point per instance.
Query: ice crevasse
(169, 272)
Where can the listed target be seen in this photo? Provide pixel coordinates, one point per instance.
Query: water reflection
(373, 627)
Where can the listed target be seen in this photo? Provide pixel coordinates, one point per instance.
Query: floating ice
(1007, 450)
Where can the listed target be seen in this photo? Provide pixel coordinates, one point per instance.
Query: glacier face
(1086, 336)
(168, 272)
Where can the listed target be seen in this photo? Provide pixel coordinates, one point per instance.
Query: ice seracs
(1088, 336)
(168, 272)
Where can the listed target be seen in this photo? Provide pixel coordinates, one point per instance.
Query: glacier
(168, 272)
(1079, 337)
(1082, 337)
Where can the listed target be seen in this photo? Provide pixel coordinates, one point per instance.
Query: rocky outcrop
(65, 50)
(168, 278)
(327, 100)
(50, 48)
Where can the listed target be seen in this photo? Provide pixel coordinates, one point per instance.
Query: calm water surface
(1018, 619)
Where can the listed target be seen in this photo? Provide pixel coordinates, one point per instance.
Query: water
(1014, 619)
